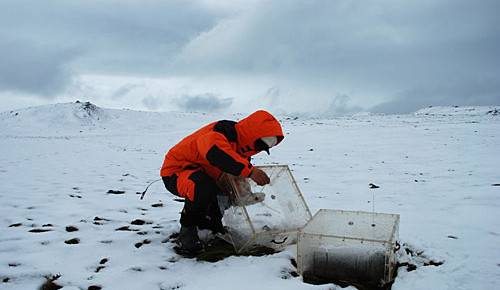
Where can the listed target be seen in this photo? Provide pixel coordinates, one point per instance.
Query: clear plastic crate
(268, 215)
(348, 246)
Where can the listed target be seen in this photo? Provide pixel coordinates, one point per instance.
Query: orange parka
(223, 146)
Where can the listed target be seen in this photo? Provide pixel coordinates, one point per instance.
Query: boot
(188, 240)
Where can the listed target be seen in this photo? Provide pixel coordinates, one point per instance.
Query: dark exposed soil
(218, 249)
(98, 219)
(144, 242)
(73, 241)
(71, 229)
(138, 222)
(111, 191)
(126, 228)
(39, 230)
(50, 284)
(99, 268)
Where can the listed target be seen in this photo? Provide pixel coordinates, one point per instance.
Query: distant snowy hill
(460, 111)
(85, 117)
(437, 168)
(59, 115)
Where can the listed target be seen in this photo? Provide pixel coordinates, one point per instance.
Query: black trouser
(204, 211)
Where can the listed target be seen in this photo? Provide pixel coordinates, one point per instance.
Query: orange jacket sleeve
(217, 150)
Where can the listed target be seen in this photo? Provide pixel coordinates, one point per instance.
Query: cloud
(367, 50)
(480, 93)
(152, 103)
(203, 103)
(124, 90)
(340, 106)
(116, 37)
(34, 69)
(385, 55)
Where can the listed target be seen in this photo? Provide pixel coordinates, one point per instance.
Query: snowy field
(439, 169)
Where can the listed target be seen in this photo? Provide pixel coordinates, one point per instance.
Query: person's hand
(260, 177)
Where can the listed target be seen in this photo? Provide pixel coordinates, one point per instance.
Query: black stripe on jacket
(227, 128)
(224, 161)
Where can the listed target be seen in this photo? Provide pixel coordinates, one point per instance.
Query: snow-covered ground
(436, 168)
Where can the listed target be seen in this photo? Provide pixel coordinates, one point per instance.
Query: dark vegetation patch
(495, 184)
(373, 186)
(15, 225)
(452, 237)
(144, 242)
(71, 229)
(94, 287)
(172, 287)
(39, 230)
(112, 191)
(5, 279)
(494, 112)
(126, 228)
(416, 258)
(50, 284)
(287, 273)
(218, 249)
(48, 225)
(73, 241)
(139, 222)
(99, 268)
(157, 204)
(106, 241)
(98, 219)
(14, 264)
(75, 196)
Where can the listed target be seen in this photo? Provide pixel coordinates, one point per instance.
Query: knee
(206, 188)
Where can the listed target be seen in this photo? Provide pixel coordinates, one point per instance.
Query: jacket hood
(257, 125)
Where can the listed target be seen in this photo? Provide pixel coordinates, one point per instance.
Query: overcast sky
(318, 57)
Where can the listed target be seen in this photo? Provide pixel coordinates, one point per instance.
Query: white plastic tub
(348, 246)
(269, 215)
